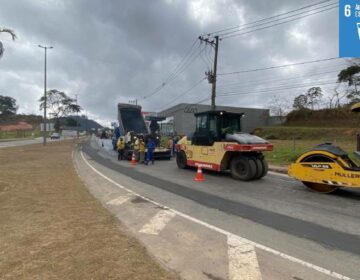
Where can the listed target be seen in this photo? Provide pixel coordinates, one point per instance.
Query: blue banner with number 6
(349, 28)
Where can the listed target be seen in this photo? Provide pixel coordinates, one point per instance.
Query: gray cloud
(114, 51)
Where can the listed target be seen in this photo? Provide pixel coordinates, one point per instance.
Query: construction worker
(142, 150)
(170, 145)
(176, 140)
(136, 148)
(120, 147)
(150, 151)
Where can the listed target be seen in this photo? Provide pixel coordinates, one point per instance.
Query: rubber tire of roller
(259, 168)
(265, 167)
(242, 168)
(181, 160)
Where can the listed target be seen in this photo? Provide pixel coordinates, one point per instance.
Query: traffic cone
(199, 175)
(133, 160)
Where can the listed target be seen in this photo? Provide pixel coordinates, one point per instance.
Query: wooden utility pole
(212, 75)
(213, 90)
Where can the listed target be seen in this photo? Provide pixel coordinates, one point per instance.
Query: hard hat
(356, 107)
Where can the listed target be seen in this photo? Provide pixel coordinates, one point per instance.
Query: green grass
(19, 134)
(308, 133)
(287, 151)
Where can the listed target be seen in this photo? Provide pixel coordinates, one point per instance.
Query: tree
(351, 76)
(71, 122)
(279, 108)
(7, 105)
(12, 34)
(336, 97)
(59, 105)
(313, 95)
(300, 102)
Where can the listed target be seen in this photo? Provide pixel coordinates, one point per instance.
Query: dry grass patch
(52, 228)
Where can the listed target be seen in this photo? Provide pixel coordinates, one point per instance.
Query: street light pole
(77, 119)
(44, 132)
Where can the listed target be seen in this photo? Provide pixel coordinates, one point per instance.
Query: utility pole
(77, 117)
(135, 101)
(86, 123)
(212, 75)
(44, 132)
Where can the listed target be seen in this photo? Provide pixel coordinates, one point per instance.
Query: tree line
(345, 93)
(58, 104)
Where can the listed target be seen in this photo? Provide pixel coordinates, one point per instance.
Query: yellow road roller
(219, 145)
(327, 167)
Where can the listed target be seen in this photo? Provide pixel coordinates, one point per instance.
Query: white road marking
(158, 222)
(227, 233)
(119, 200)
(243, 263)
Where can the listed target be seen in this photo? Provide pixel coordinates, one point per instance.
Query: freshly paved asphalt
(328, 236)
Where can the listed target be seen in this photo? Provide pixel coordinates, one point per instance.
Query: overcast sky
(114, 51)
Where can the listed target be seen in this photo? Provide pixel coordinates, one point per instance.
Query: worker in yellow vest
(142, 150)
(120, 147)
(136, 148)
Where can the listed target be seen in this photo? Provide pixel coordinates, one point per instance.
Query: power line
(229, 94)
(256, 82)
(279, 66)
(266, 22)
(204, 58)
(280, 88)
(268, 18)
(187, 53)
(183, 93)
(274, 86)
(185, 59)
(261, 92)
(184, 63)
(277, 24)
(189, 61)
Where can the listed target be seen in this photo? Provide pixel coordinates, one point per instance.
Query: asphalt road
(275, 211)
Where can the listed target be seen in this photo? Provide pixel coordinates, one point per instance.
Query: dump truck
(131, 121)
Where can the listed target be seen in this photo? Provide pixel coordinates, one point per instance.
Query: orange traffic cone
(133, 160)
(199, 175)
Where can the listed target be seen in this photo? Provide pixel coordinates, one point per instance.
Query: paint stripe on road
(225, 232)
(243, 263)
(119, 200)
(158, 222)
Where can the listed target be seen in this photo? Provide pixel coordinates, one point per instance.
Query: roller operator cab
(327, 167)
(218, 144)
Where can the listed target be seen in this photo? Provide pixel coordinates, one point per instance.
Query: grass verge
(52, 228)
(287, 151)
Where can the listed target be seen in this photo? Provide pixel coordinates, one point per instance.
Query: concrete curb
(278, 169)
(16, 139)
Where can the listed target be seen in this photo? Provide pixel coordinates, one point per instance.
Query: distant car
(55, 135)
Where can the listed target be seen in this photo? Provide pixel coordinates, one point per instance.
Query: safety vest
(142, 146)
(120, 144)
(136, 145)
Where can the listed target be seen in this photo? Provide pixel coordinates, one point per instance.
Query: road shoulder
(52, 228)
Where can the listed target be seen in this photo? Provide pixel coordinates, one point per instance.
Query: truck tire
(243, 168)
(181, 160)
(259, 168)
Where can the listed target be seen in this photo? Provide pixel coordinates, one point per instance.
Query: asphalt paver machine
(327, 167)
